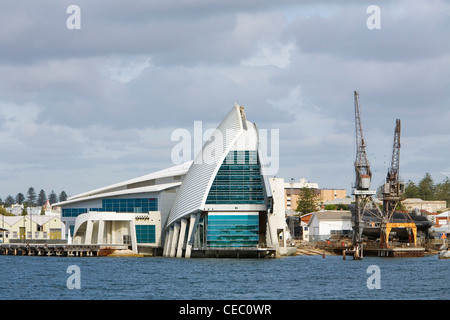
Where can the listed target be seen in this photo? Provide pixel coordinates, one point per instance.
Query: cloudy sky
(84, 108)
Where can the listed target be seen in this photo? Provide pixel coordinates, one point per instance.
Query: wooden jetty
(234, 253)
(60, 250)
(346, 248)
(396, 252)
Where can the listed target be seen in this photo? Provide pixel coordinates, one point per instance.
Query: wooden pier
(346, 249)
(234, 253)
(59, 250)
(397, 252)
(400, 252)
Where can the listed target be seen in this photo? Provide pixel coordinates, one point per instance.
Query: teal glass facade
(128, 205)
(238, 180)
(145, 233)
(232, 230)
(135, 205)
(73, 212)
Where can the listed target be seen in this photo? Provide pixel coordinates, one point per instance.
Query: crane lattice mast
(363, 196)
(393, 188)
(362, 165)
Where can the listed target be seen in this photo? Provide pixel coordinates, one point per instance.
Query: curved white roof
(155, 188)
(192, 194)
(132, 186)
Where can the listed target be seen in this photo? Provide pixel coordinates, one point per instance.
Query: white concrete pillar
(113, 232)
(133, 236)
(108, 232)
(181, 238)
(169, 243)
(192, 222)
(173, 246)
(88, 235)
(101, 231)
(271, 234)
(166, 243)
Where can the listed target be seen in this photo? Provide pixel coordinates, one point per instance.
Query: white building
(427, 205)
(277, 187)
(221, 203)
(325, 223)
(303, 183)
(103, 215)
(30, 228)
(441, 223)
(225, 203)
(16, 209)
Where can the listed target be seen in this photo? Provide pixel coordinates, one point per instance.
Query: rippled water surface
(287, 278)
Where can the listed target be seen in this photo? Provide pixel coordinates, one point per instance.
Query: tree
(5, 213)
(52, 197)
(62, 196)
(20, 198)
(411, 190)
(426, 187)
(9, 201)
(427, 190)
(442, 191)
(307, 201)
(42, 198)
(25, 209)
(31, 196)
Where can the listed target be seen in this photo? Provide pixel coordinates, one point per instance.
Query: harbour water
(287, 278)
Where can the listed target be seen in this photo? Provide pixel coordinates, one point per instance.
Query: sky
(82, 108)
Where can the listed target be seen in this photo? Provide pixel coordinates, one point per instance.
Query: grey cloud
(408, 32)
(171, 31)
(107, 97)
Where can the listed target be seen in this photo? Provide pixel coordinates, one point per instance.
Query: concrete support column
(173, 246)
(181, 238)
(88, 235)
(166, 243)
(101, 232)
(133, 236)
(113, 232)
(192, 222)
(169, 241)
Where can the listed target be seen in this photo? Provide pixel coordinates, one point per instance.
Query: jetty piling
(59, 250)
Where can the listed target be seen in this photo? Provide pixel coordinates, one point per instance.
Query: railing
(38, 241)
(231, 248)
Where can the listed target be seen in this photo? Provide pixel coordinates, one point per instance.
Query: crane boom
(363, 196)
(362, 165)
(364, 201)
(393, 173)
(393, 188)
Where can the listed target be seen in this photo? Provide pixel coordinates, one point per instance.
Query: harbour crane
(366, 214)
(392, 193)
(363, 195)
(362, 165)
(393, 188)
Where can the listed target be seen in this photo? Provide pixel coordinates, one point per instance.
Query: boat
(372, 224)
(444, 253)
(443, 250)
